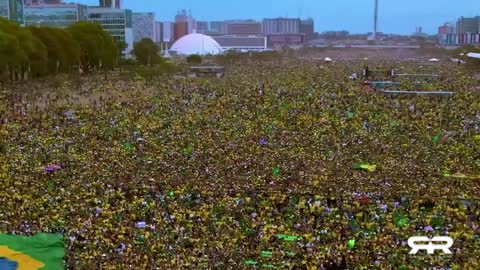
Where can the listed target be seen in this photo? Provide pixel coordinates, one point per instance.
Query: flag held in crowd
(39, 252)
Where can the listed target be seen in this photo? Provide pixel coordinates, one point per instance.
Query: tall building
(12, 10)
(247, 27)
(281, 26)
(158, 32)
(446, 29)
(117, 22)
(180, 30)
(184, 24)
(182, 17)
(168, 31)
(218, 27)
(55, 15)
(143, 26)
(307, 28)
(42, 2)
(468, 25)
(202, 27)
(111, 3)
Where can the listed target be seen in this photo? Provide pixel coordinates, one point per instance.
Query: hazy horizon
(355, 16)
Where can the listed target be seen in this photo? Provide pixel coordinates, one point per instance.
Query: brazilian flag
(39, 252)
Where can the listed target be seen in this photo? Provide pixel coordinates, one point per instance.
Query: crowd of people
(282, 166)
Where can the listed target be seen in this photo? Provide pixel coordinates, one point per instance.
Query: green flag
(39, 252)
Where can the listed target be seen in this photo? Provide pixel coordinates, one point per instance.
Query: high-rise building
(158, 33)
(111, 3)
(168, 31)
(468, 25)
(446, 29)
(281, 26)
(202, 27)
(143, 26)
(307, 28)
(218, 27)
(54, 15)
(180, 30)
(42, 2)
(246, 27)
(182, 17)
(12, 10)
(116, 22)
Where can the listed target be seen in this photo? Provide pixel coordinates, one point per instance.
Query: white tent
(434, 60)
(327, 59)
(474, 55)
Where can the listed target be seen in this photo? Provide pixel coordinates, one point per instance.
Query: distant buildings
(466, 31)
(446, 29)
(468, 25)
(111, 3)
(158, 32)
(184, 24)
(202, 27)
(281, 26)
(307, 28)
(243, 27)
(12, 10)
(54, 15)
(218, 27)
(242, 43)
(143, 26)
(168, 31)
(117, 22)
(285, 40)
(41, 2)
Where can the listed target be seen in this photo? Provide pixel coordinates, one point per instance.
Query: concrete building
(12, 10)
(55, 15)
(246, 27)
(459, 39)
(168, 31)
(468, 25)
(285, 40)
(41, 2)
(111, 3)
(307, 28)
(202, 27)
(281, 26)
(180, 30)
(446, 29)
(117, 22)
(184, 17)
(242, 43)
(158, 33)
(218, 27)
(143, 26)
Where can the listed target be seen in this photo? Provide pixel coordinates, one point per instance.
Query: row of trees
(40, 51)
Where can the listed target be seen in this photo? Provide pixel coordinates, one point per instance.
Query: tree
(31, 52)
(121, 45)
(194, 59)
(97, 47)
(146, 52)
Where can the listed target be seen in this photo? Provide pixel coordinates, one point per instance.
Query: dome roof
(196, 44)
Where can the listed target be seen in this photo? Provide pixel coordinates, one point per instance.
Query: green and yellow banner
(39, 252)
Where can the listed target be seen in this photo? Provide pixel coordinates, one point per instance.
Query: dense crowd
(274, 166)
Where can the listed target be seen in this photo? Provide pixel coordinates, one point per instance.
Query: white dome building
(196, 44)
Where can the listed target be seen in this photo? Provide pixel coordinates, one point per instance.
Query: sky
(355, 16)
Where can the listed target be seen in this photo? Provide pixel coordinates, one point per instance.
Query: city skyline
(355, 16)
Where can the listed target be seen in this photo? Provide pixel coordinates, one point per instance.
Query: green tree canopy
(97, 47)
(146, 52)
